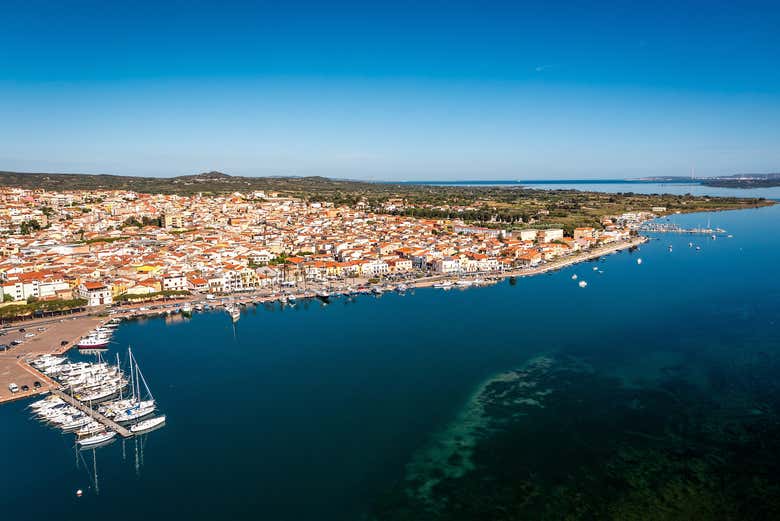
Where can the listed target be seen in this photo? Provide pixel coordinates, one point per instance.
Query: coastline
(554, 265)
(14, 368)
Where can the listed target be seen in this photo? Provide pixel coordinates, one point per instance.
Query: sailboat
(148, 425)
(234, 312)
(96, 439)
(136, 407)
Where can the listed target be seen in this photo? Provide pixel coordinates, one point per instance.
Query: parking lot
(34, 342)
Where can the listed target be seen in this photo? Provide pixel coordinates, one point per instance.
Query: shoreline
(13, 365)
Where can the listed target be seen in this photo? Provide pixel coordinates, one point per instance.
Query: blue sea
(338, 411)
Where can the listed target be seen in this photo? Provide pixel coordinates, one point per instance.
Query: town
(97, 248)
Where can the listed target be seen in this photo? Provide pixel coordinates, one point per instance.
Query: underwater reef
(556, 439)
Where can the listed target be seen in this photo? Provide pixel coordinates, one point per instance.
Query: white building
(375, 268)
(446, 265)
(528, 235)
(553, 234)
(96, 293)
(174, 282)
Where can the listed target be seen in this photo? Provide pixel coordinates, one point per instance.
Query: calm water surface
(611, 186)
(315, 412)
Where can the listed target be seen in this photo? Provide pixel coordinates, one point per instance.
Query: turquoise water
(322, 412)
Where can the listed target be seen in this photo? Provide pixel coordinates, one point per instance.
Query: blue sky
(397, 90)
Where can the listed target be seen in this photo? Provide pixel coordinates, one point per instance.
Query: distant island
(727, 181)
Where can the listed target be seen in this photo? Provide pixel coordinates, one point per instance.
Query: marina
(661, 227)
(89, 402)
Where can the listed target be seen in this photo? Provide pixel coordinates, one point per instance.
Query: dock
(114, 426)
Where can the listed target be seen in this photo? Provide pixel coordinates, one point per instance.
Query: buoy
(583, 283)
(639, 261)
(79, 493)
(574, 277)
(595, 268)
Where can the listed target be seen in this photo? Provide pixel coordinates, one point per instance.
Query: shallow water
(328, 412)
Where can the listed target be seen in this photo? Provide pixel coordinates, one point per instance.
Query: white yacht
(93, 341)
(148, 425)
(96, 439)
(89, 429)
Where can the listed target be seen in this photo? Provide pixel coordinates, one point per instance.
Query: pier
(125, 433)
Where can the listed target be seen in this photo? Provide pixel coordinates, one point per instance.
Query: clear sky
(397, 90)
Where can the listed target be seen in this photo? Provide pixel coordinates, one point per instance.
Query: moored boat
(93, 341)
(148, 424)
(96, 439)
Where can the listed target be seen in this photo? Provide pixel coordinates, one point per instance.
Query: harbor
(56, 336)
(657, 227)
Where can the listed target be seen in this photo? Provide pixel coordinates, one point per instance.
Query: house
(583, 232)
(399, 265)
(530, 258)
(95, 293)
(198, 284)
(528, 235)
(446, 265)
(174, 282)
(553, 234)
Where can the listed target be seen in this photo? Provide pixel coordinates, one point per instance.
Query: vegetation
(145, 221)
(151, 296)
(742, 183)
(34, 307)
(104, 239)
(29, 226)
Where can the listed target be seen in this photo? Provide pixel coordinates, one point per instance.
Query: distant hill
(207, 182)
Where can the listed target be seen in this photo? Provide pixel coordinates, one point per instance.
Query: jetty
(125, 433)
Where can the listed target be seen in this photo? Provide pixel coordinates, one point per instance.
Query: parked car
(29, 335)
(41, 329)
(4, 347)
(64, 343)
(21, 330)
(13, 387)
(16, 342)
(37, 384)
(25, 388)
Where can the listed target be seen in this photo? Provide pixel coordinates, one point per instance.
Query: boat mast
(139, 379)
(130, 361)
(119, 374)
